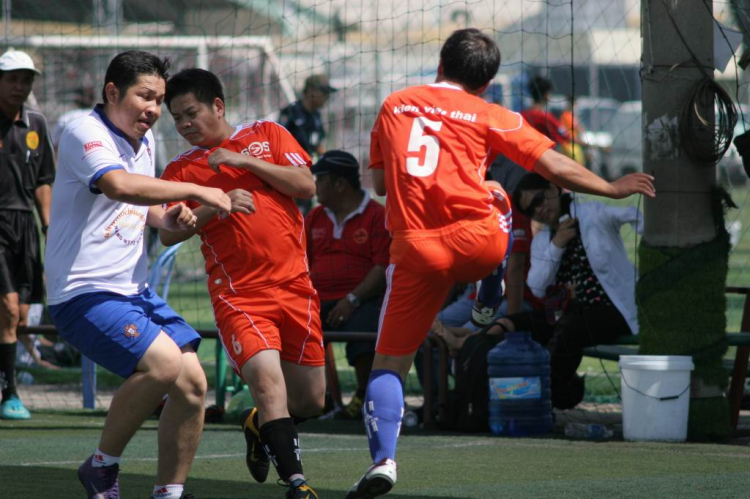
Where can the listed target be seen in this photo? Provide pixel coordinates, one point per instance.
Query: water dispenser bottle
(519, 370)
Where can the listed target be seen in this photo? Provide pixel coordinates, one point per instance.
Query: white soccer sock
(171, 491)
(101, 459)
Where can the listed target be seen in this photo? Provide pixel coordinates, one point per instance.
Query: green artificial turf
(38, 458)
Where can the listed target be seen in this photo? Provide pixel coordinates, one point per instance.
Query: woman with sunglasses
(580, 267)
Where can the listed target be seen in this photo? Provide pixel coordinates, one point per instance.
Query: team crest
(131, 331)
(360, 236)
(32, 140)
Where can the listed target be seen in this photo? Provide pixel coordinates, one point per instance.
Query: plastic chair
(161, 270)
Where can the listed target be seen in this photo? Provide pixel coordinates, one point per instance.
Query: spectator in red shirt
(539, 117)
(347, 250)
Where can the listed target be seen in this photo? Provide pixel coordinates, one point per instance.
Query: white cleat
(378, 480)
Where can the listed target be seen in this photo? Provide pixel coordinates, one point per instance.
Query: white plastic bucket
(655, 397)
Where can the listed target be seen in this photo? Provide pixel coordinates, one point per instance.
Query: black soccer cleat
(256, 458)
(299, 489)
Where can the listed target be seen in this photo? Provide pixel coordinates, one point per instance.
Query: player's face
(139, 109)
(198, 123)
(15, 87)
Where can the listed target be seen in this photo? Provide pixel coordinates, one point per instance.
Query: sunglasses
(536, 202)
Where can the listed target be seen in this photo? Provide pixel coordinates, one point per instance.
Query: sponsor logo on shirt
(258, 149)
(128, 227)
(92, 145)
(32, 140)
(360, 236)
(131, 331)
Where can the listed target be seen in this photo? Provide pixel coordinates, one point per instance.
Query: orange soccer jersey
(247, 252)
(435, 156)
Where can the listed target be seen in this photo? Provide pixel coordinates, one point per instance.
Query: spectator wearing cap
(303, 120)
(27, 170)
(347, 250)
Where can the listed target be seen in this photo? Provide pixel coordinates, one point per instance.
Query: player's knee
(196, 385)
(164, 367)
(309, 406)
(10, 315)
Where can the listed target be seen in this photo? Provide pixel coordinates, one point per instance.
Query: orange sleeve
(285, 150)
(173, 173)
(513, 137)
(376, 154)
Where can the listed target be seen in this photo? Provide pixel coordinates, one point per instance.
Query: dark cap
(319, 82)
(340, 163)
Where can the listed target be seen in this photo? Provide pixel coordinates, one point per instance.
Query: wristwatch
(356, 302)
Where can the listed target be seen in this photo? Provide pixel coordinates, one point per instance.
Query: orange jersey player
(431, 146)
(265, 306)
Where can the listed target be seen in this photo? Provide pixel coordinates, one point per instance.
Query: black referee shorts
(21, 268)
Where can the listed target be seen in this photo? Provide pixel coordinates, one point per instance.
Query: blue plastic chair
(161, 271)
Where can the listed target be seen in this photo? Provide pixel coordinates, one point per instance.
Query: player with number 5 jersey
(431, 146)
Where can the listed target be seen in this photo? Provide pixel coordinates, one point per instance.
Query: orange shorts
(284, 317)
(422, 271)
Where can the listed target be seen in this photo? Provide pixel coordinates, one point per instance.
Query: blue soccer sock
(491, 291)
(383, 410)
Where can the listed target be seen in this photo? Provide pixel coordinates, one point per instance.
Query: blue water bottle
(518, 369)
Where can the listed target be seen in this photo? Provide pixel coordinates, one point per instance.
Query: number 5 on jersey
(418, 140)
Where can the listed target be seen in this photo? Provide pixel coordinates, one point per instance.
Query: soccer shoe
(353, 409)
(12, 408)
(183, 496)
(299, 489)
(100, 483)
(482, 316)
(378, 480)
(256, 458)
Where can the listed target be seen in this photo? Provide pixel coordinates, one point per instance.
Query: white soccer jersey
(95, 243)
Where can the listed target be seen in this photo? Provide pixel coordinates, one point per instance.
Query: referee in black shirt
(304, 122)
(27, 170)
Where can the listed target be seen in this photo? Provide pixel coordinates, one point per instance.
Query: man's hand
(214, 198)
(179, 217)
(566, 231)
(634, 183)
(224, 157)
(242, 201)
(340, 313)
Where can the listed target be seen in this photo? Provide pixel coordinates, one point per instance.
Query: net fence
(263, 51)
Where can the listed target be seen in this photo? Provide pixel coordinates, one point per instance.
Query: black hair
(539, 87)
(204, 85)
(353, 181)
(126, 67)
(535, 182)
(470, 58)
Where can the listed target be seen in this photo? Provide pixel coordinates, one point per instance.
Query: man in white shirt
(105, 196)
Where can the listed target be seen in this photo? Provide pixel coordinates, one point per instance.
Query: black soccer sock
(281, 443)
(298, 419)
(8, 368)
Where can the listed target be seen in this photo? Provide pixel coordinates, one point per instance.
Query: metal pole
(6, 21)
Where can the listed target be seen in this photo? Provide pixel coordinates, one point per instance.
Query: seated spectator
(453, 323)
(347, 249)
(580, 266)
